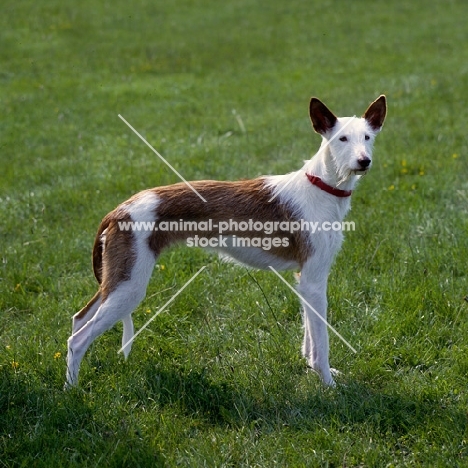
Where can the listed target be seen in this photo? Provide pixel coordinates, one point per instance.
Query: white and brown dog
(123, 259)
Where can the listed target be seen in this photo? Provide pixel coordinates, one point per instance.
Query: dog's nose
(364, 162)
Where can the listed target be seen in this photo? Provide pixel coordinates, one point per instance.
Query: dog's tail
(98, 248)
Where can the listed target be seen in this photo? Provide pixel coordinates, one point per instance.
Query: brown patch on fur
(79, 315)
(97, 249)
(240, 201)
(114, 255)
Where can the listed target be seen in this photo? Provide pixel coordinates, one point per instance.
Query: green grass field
(217, 380)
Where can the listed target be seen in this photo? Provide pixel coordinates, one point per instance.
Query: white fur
(254, 257)
(143, 208)
(344, 155)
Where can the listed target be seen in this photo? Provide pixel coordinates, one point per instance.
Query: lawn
(221, 90)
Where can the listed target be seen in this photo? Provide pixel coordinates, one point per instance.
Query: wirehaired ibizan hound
(123, 258)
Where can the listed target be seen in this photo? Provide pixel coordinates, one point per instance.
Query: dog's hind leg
(117, 306)
(127, 335)
(127, 266)
(87, 312)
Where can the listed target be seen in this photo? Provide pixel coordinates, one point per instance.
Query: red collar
(318, 182)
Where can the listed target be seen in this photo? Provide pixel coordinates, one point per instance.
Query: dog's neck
(323, 165)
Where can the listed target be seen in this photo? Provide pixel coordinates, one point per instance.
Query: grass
(218, 380)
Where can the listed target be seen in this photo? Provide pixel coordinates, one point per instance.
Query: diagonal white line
(162, 159)
(161, 309)
(321, 149)
(313, 310)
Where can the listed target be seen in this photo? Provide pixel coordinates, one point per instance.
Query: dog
(320, 192)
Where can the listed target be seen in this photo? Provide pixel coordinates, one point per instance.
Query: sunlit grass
(221, 90)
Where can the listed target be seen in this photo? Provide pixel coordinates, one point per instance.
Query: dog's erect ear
(323, 119)
(376, 112)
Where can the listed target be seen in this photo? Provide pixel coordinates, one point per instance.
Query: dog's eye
(367, 137)
(343, 138)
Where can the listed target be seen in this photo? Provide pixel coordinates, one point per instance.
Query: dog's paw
(330, 382)
(325, 377)
(67, 386)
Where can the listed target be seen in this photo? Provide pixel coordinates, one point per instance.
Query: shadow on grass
(192, 391)
(224, 404)
(79, 427)
(47, 426)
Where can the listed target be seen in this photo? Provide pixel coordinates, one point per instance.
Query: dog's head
(349, 139)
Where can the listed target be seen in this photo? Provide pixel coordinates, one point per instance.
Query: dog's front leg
(313, 290)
